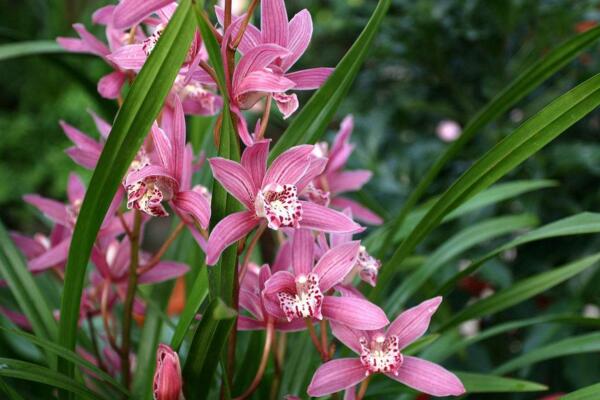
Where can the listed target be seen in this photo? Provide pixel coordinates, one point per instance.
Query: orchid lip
(305, 302)
(381, 354)
(279, 205)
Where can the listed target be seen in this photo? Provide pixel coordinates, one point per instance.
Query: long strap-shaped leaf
(25, 290)
(586, 393)
(35, 373)
(29, 48)
(480, 383)
(310, 123)
(529, 138)
(142, 105)
(580, 224)
(524, 84)
(196, 297)
(521, 291)
(587, 343)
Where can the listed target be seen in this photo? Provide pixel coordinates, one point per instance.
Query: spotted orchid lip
(306, 302)
(280, 206)
(147, 195)
(381, 354)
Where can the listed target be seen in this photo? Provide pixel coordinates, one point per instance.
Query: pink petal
(287, 104)
(292, 326)
(309, 79)
(345, 334)
(324, 219)
(148, 171)
(303, 252)
(242, 127)
(283, 259)
(348, 181)
(251, 301)
(229, 230)
(52, 209)
(109, 86)
(248, 324)
(412, 323)
(428, 377)
(289, 167)
(88, 43)
(357, 313)
(102, 126)
(341, 149)
(103, 15)
(164, 271)
(335, 264)
(162, 146)
(80, 139)
(274, 22)
(280, 281)
(256, 60)
(251, 38)
(56, 256)
(16, 318)
(235, 179)
(316, 167)
(300, 31)
(28, 246)
(130, 57)
(130, 12)
(87, 159)
(254, 160)
(263, 81)
(75, 188)
(361, 213)
(195, 204)
(177, 134)
(336, 375)
(350, 393)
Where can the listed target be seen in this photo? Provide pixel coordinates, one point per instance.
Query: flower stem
(245, 22)
(315, 338)
(94, 338)
(249, 250)
(163, 249)
(130, 297)
(263, 362)
(363, 388)
(265, 118)
(324, 347)
(105, 318)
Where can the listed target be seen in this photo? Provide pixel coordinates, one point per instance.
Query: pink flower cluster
(299, 197)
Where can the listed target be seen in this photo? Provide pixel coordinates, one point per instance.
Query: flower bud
(167, 378)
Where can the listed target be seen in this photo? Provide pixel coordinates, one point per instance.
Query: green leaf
(30, 48)
(212, 48)
(25, 290)
(524, 84)
(521, 291)
(479, 383)
(9, 391)
(529, 138)
(587, 393)
(35, 373)
(468, 238)
(583, 223)
(141, 106)
(582, 344)
(195, 298)
(420, 344)
(205, 349)
(311, 122)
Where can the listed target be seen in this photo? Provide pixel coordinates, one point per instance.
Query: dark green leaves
(193, 302)
(310, 123)
(205, 349)
(22, 49)
(142, 105)
(587, 393)
(478, 383)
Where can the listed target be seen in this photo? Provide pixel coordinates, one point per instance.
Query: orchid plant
(280, 271)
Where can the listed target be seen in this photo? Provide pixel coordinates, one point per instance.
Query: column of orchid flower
(312, 282)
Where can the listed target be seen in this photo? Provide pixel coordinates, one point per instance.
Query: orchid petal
(336, 375)
(256, 60)
(162, 146)
(251, 38)
(289, 167)
(283, 259)
(235, 179)
(274, 22)
(29, 247)
(248, 324)
(229, 230)
(263, 81)
(80, 139)
(287, 104)
(56, 256)
(324, 219)
(164, 271)
(130, 57)
(52, 209)
(103, 15)
(109, 86)
(309, 79)
(88, 43)
(303, 252)
(352, 311)
(280, 281)
(75, 189)
(131, 12)
(195, 204)
(428, 377)
(87, 159)
(146, 172)
(254, 160)
(102, 126)
(335, 264)
(316, 167)
(341, 149)
(361, 213)
(345, 334)
(412, 323)
(348, 181)
(300, 31)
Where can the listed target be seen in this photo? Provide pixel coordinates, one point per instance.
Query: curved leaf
(196, 297)
(479, 383)
(29, 48)
(133, 122)
(586, 393)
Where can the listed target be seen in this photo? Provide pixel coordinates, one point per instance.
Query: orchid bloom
(168, 384)
(251, 300)
(304, 293)
(169, 178)
(327, 187)
(270, 195)
(86, 151)
(293, 36)
(381, 352)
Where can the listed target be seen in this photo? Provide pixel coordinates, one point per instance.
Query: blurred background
(433, 61)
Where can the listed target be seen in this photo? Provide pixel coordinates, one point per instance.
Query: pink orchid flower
(270, 195)
(170, 177)
(327, 187)
(86, 151)
(381, 352)
(293, 36)
(168, 384)
(304, 293)
(251, 300)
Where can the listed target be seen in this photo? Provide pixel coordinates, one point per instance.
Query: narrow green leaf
(468, 238)
(529, 138)
(141, 106)
(524, 84)
(521, 291)
(35, 373)
(196, 297)
(30, 48)
(212, 48)
(479, 383)
(420, 344)
(582, 344)
(311, 122)
(587, 393)
(205, 349)
(9, 391)
(29, 297)
(583, 223)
